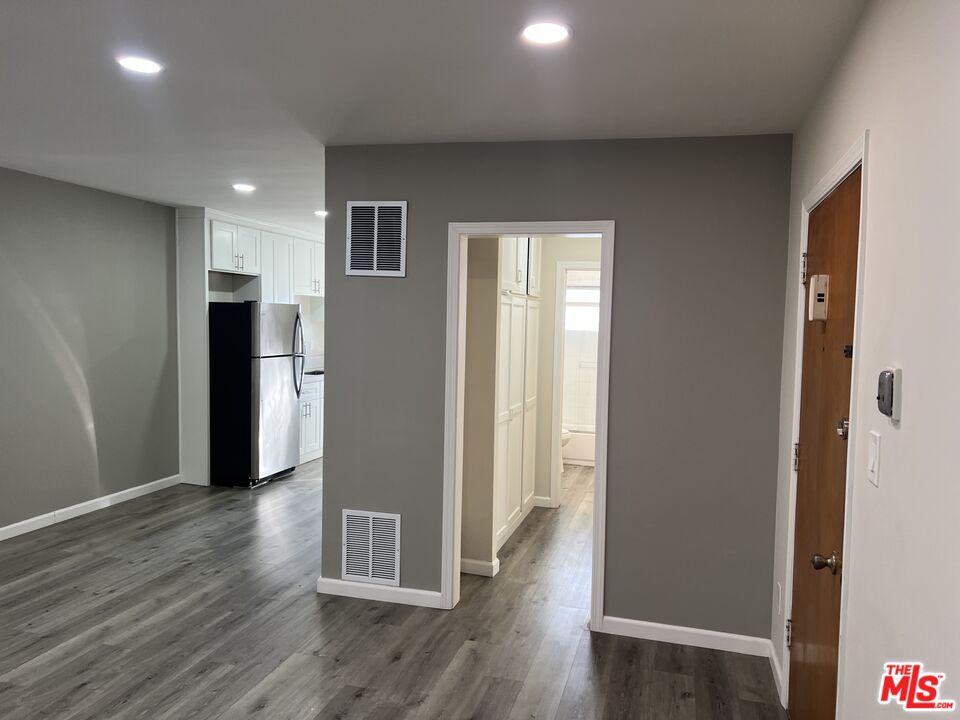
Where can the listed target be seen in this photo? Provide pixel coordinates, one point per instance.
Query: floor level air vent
(371, 547)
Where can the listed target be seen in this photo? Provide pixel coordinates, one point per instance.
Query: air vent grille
(371, 547)
(377, 238)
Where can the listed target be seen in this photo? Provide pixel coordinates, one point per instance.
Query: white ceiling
(254, 88)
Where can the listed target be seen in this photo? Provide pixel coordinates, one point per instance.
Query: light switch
(873, 458)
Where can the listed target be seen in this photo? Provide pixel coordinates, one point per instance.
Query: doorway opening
(528, 354)
(577, 337)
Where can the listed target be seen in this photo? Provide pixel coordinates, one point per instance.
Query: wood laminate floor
(201, 603)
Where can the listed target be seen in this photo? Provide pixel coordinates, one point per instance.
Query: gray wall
(697, 322)
(88, 370)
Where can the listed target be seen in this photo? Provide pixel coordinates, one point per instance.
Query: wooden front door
(833, 236)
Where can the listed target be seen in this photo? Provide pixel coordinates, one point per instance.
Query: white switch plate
(873, 458)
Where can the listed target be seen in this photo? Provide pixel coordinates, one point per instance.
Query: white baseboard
(381, 593)
(55, 516)
(745, 644)
(778, 677)
(480, 567)
(544, 502)
(579, 462)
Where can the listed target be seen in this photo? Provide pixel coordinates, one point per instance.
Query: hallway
(200, 603)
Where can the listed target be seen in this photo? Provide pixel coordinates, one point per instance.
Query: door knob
(819, 562)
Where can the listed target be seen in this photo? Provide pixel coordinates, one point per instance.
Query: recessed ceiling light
(320, 213)
(244, 187)
(142, 65)
(546, 33)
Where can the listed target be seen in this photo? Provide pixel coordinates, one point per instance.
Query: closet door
(518, 309)
(531, 359)
(502, 437)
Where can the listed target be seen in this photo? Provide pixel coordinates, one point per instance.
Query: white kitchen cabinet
(308, 267)
(234, 248)
(223, 246)
(248, 248)
(311, 420)
(534, 263)
(513, 264)
(276, 268)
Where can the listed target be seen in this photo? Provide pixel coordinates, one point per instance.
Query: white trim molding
(380, 593)
(57, 516)
(545, 502)
(457, 234)
(480, 567)
(679, 635)
(853, 158)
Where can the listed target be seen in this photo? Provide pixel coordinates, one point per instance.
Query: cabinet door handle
(236, 261)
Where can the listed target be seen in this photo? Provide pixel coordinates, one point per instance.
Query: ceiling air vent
(371, 547)
(377, 238)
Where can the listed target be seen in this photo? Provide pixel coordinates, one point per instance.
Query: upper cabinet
(513, 264)
(276, 268)
(534, 254)
(234, 248)
(248, 248)
(288, 266)
(223, 246)
(308, 263)
(520, 265)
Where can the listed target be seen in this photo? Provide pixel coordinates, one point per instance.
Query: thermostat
(888, 393)
(819, 297)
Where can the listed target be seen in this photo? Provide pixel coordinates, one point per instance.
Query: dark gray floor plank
(200, 604)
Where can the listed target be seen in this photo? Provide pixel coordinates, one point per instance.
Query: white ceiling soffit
(252, 90)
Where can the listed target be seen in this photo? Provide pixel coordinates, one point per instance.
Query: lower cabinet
(311, 421)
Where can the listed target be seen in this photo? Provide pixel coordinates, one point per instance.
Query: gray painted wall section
(697, 322)
(88, 372)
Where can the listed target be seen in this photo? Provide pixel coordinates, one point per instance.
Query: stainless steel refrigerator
(256, 372)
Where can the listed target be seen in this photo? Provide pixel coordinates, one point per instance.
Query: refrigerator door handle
(298, 348)
(298, 354)
(298, 373)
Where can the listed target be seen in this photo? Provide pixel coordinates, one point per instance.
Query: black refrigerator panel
(231, 409)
